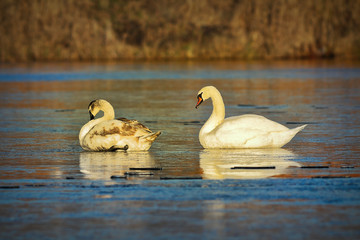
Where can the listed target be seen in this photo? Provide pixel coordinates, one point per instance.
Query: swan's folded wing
(135, 123)
(120, 128)
(251, 122)
(239, 136)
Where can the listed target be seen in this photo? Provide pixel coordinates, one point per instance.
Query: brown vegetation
(171, 29)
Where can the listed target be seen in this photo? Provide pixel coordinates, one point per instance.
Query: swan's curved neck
(108, 110)
(109, 114)
(87, 127)
(217, 115)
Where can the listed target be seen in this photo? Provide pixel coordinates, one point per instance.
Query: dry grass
(171, 29)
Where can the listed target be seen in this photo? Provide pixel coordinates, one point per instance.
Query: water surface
(307, 189)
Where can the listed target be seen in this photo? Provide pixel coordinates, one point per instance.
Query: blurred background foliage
(43, 30)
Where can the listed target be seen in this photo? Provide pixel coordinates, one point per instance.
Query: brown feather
(135, 123)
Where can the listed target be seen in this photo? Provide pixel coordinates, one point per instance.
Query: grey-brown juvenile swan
(109, 134)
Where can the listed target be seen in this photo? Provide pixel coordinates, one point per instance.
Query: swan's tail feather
(282, 138)
(151, 137)
(298, 129)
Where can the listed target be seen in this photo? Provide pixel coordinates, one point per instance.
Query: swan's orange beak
(200, 100)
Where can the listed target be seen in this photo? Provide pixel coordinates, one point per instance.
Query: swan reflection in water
(103, 165)
(217, 163)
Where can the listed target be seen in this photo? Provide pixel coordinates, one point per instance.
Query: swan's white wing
(247, 131)
(242, 137)
(251, 122)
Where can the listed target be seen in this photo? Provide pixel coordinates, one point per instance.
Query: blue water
(173, 71)
(51, 189)
(292, 209)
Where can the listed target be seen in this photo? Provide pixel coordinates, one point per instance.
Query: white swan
(109, 134)
(245, 131)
